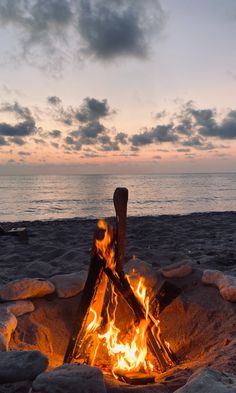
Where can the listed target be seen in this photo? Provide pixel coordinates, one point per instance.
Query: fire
(126, 353)
(126, 350)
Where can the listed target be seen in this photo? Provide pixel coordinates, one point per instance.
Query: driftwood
(120, 199)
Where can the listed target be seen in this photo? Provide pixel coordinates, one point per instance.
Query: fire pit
(137, 326)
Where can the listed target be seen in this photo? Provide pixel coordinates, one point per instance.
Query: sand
(207, 240)
(199, 324)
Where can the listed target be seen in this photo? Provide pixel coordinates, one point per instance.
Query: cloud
(24, 153)
(54, 100)
(21, 129)
(111, 28)
(55, 133)
(3, 141)
(93, 109)
(158, 134)
(52, 31)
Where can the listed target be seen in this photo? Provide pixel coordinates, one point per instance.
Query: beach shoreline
(206, 240)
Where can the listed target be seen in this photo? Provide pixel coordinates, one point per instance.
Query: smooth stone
(208, 380)
(19, 307)
(8, 323)
(20, 366)
(177, 270)
(26, 288)
(68, 285)
(3, 343)
(225, 283)
(70, 378)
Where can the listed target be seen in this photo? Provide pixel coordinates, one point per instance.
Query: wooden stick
(90, 290)
(120, 199)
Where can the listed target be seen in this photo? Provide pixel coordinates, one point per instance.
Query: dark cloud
(122, 138)
(24, 128)
(54, 100)
(16, 140)
(93, 109)
(40, 141)
(19, 110)
(111, 28)
(21, 129)
(159, 134)
(105, 29)
(55, 133)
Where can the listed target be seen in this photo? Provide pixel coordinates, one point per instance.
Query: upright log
(120, 199)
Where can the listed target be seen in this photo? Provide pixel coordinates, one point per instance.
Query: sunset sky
(117, 86)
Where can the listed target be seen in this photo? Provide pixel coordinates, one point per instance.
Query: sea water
(90, 196)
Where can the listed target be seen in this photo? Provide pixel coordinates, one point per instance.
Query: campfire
(132, 348)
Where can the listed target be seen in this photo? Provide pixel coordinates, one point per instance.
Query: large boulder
(68, 285)
(26, 288)
(20, 366)
(208, 380)
(70, 378)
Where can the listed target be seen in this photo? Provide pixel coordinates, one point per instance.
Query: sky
(117, 86)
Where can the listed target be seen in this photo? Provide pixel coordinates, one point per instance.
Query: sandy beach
(199, 324)
(206, 240)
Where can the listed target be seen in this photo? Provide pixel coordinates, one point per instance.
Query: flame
(104, 248)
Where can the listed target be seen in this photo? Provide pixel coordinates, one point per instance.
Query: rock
(177, 270)
(70, 378)
(225, 283)
(3, 343)
(18, 308)
(20, 366)
(136, 269)
(208, 380)
(26, 288)
(68, 285)
(8, 323)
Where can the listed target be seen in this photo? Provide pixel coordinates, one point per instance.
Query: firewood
(91, 289)
(120, 199)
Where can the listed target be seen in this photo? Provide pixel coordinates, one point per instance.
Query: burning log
(94, 280)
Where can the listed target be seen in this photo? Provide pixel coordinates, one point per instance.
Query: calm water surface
(90, 196)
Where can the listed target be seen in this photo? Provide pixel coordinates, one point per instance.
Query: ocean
(90, 196)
